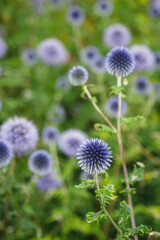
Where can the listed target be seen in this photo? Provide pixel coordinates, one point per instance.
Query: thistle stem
(119, 137)
(103, 206)
(98, 109)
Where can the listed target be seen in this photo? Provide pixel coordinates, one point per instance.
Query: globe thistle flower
(57, 3)
(70, 140)
(157, 60)
(50, 134)
(117, 35)
(142, 86)
(57, 114)
(103, 8)
(49, 182)
(40, 162)
(52, 52)
(119, 62)
(62, 84)
(78, 75)
(6, 153)
(3, 48)
(29, 57)
(94, 156)
(154, 9)
(156, 88)
(111, 107)
(98, 65)
(75, 15)
(88, 54)
(21, 134)
(143, 56)
(85, 176)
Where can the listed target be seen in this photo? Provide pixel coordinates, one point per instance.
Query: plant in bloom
(119, 62)
(88, 54)
(142, 86)
(70, 140)
(21, 134)
(40, 162)
(62, 84)
(98, 65)
(3, 48)
(103, 8)
(78, 75)
(57, 114)
(49, 182)
(57, 3)
(6, 153)
(29, 57)
(111, 107)
(157, 60)
(50, 134)
(75, 15)
(117, 35)
(94, 156)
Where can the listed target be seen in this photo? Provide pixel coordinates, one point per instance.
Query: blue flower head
(6, 153)
(40, 162)
(119, 62)
(75, 15)
(63, 84)
(98, 65)
(29, 57)
(57, 3)
(57, 114)
(142, 86)
(70, 140)
(117, 35)
(3, 48)
(154, 9)
(103, 7)
(21, 134)
(49, 182)
(157, 60)
(143, 56)
(88, 54)
(50, 134)
(94, 156)
(78, 75)
(111, 107)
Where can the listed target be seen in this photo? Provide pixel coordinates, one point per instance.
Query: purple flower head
(57, 3)
(75, 15)
(52, 52)
(154, 9)
(63, 84)
(40, 162)
(98, 65)
(117, 35)
(111, 107)
(21, 134)
(49, 182)
(70, 140)
(50, 134)
(142, 86)
(29, 57)
(143, 56)
(94, 156)
(157, 60)
(57, 114)
(3, 48)
(119, 62)
(103, 8)
(78, 75)
(6, 153)
(88, 54)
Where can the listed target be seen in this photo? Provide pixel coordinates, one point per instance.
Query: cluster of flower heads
(111, 107)
(78, 75)
(3, 48)
(70, 140)
(50, 181)
(103, 8)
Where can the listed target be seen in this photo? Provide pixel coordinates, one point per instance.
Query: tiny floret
(75, 15)
(119, 62)
(6, 153)
(50, 134)
(40, 162)
(78, 76)
(111, 107)
(94, 156)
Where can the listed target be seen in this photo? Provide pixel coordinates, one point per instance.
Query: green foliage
(95, 217)
(133, 120)
(105, 128)
(106, 193)
(137, 174)
(86, 183)
(140, 230)
(115, 90)
(123, 215)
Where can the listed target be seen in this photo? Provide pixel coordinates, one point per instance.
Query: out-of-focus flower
(142, 86)
(29, 56)
(51, 181)
(78, 75)
(103, 8)
(6, 153)
(57, 114)
(50, 134)
(85, 176)
(157, 60)
(57, 3)
(88, 54)
(111, 107)
(63, 84)
(75, 15)
(3, 48)
(98, 65)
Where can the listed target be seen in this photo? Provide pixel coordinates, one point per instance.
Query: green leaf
(115, 90)
(137, 174)
(123, 214)
(131, 120)
(95, 217)
(106, 194)
(85, 184)
(140, 230)
(127, 191)
(103, 127)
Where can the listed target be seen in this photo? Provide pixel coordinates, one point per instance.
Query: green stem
(100, 81)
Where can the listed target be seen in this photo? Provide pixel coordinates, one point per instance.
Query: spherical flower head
(75, 15)
(157, 60)
(57, 3)
(50, 134)
(63, 84)
(70, 140)
(143, 56)
(94, 156)
(49, 182)
(154, 9)
(103, 8)
(57, 114)
(21, 134)
(52, 52)
(111, 107)
(119, 62)
(117, 35)
(29, 57)
(3, 48)
(88, 54)
(6, 153)
(98, 65)
(40, 162)
(142, 86)
(78, 75)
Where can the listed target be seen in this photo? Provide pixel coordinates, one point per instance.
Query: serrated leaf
(115, 90)
(140, 230)
(127, 191)
(103, 127)
(131, 120)
(86, 183)
(123, 214)
(106, 194)
(95, 217)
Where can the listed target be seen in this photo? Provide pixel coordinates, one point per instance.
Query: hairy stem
(119, 137)
(103, 206)
(98, 109)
